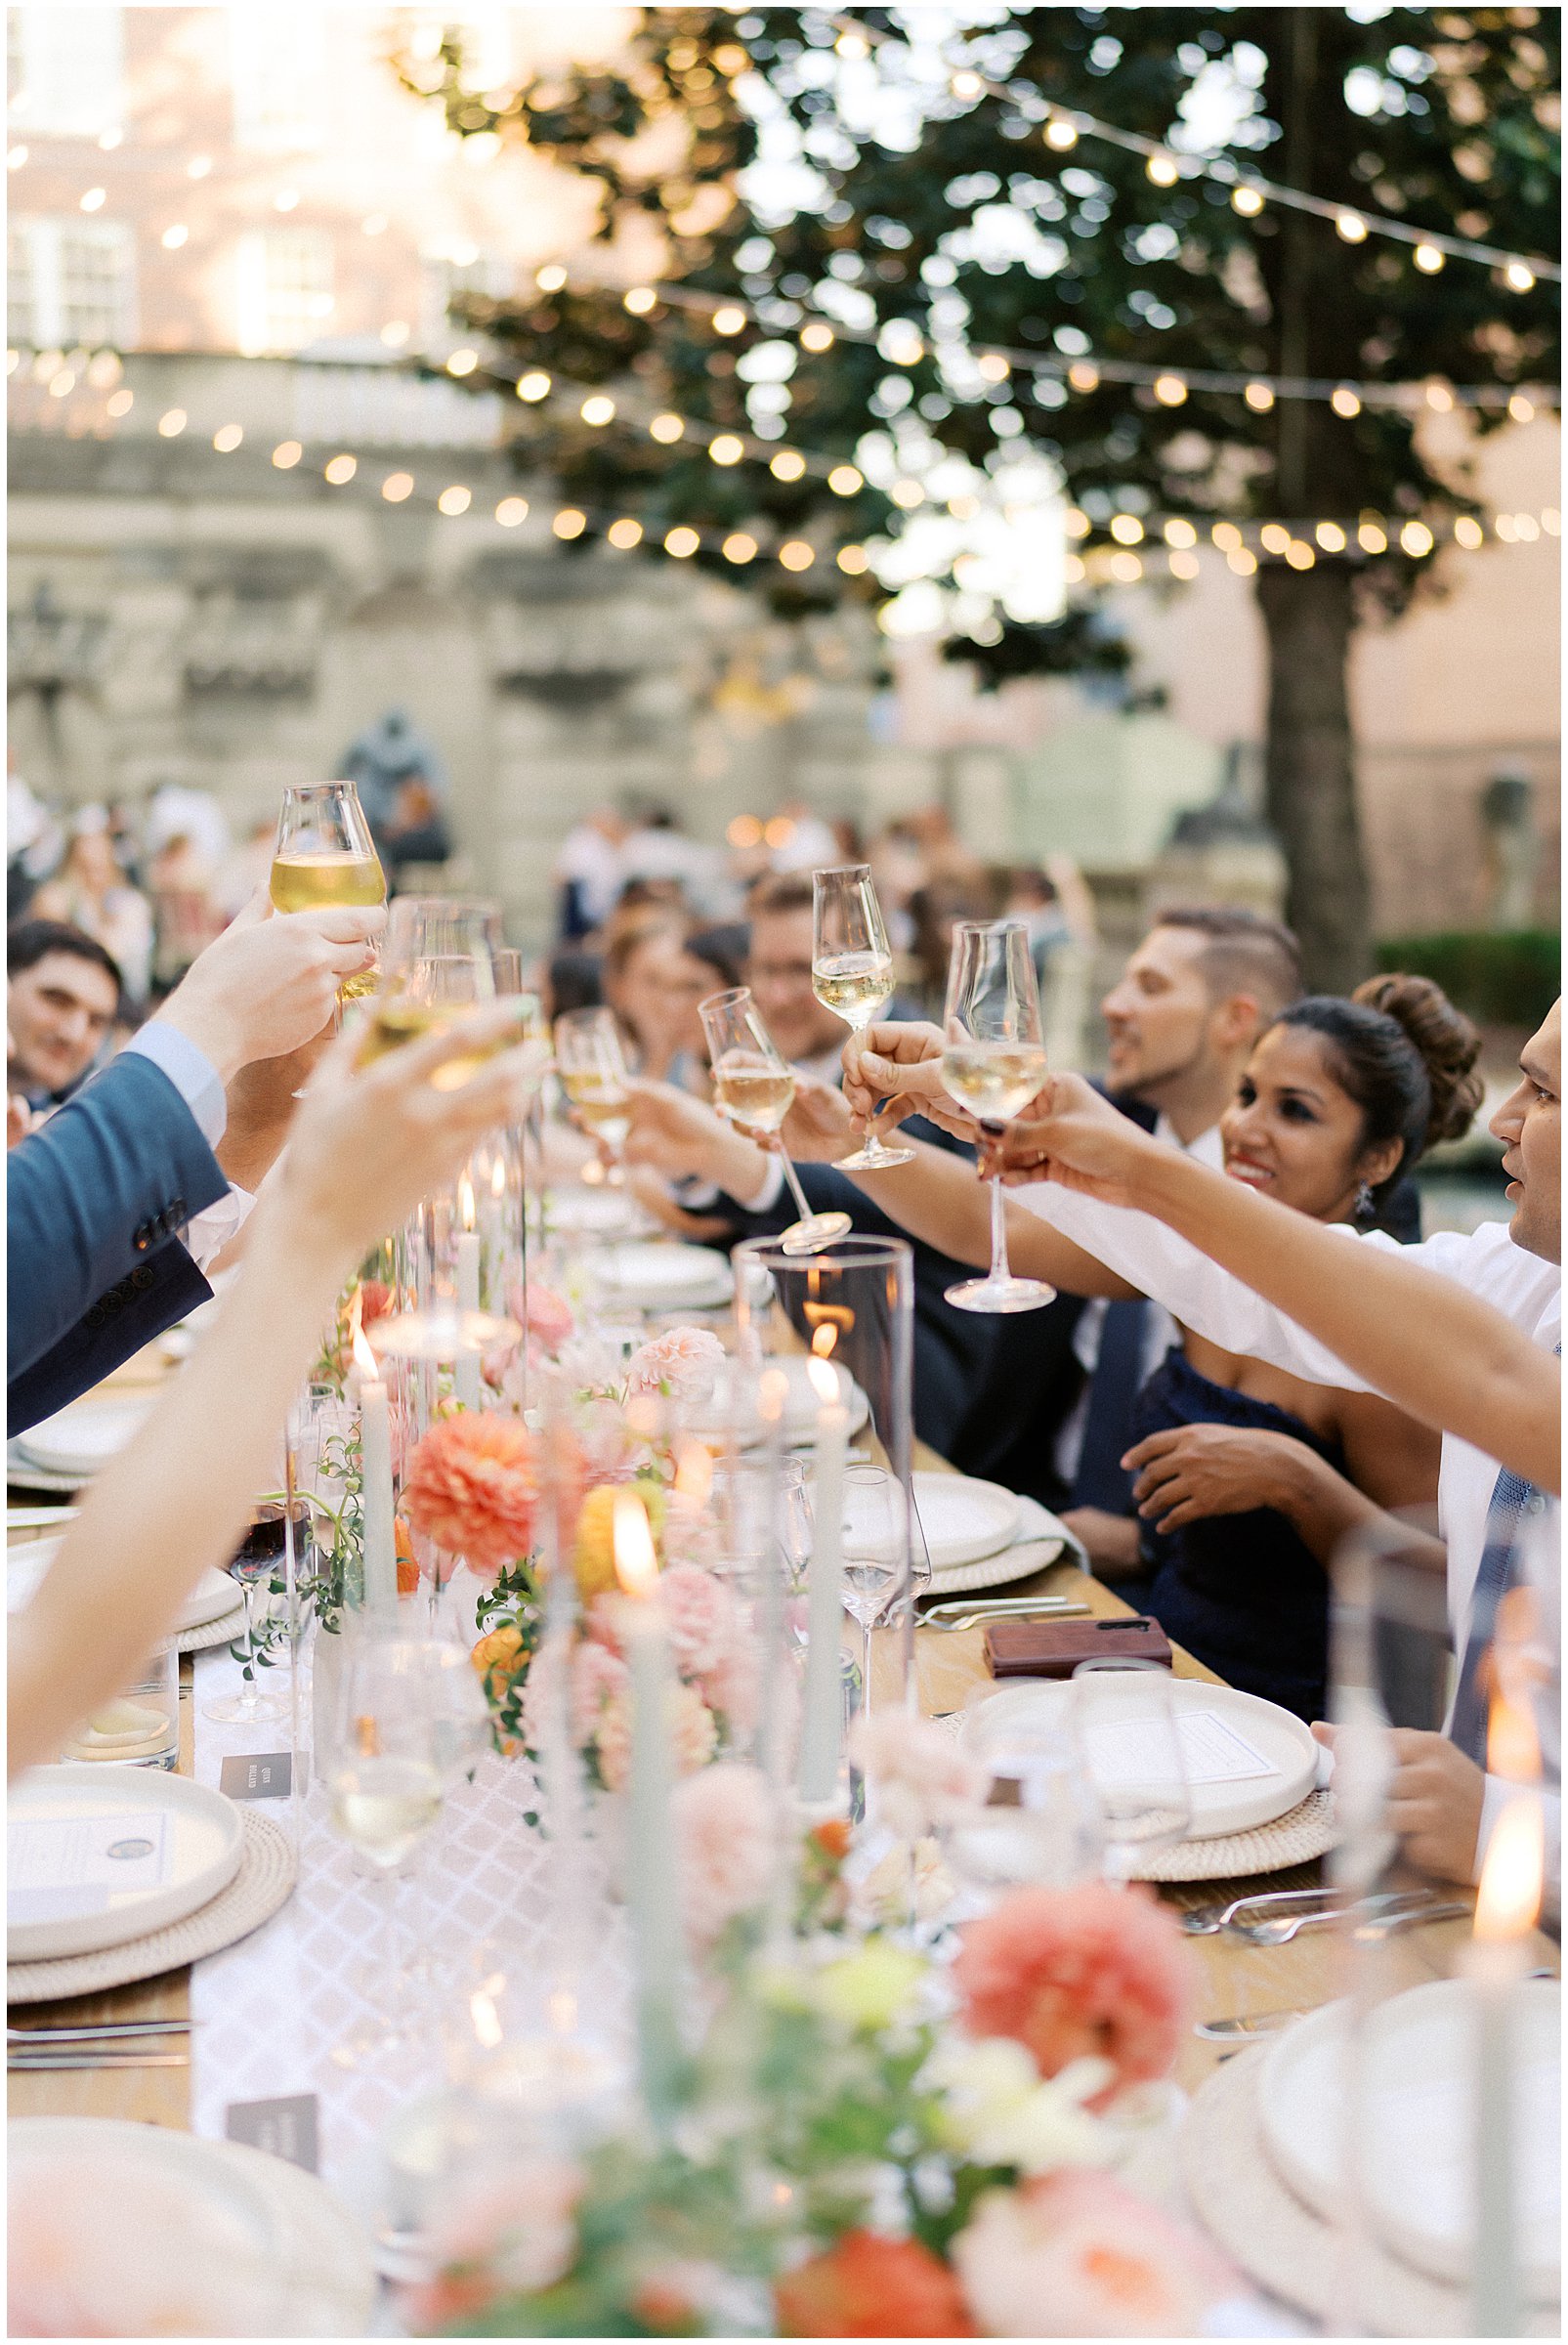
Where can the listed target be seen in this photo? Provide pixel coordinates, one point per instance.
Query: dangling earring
(1364, 1208)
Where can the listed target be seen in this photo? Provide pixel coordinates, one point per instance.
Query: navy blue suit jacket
(93, 1201)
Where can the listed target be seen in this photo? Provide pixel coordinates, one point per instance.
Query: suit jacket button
(143, 1237)
(175, 1214)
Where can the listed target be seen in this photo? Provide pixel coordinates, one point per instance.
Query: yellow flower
(869, 1989)
(594, 1553)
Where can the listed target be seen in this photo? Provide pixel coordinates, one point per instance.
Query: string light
(786, 465)
(454, 500)
(551, 277)
(1429, 259)
(228, 437)
(668, 429)
(796, 554)
(94, 199)
(397, 487)
(462, 362)
(624, 533)
(853, 559)
(727, 448)
(598, 410)
(1246, 199)
(1352, 228)
(1371, 538)
(340, 470)
(534, 386)
(728, 320)
(511, 511)
(1330, 536)
(1179, 532)
(570, 523)
(816, 337)
(1162, 169)
(845, 480)
(1127, 529)
(640, 300)
(173, 237)
(682, 542)
(738, 547)
(287, 453)
(1170, 389)
(172, 423)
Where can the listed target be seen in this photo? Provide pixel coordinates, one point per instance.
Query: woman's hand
(369, 1142)
(1195, 1471)
(819, 1126)
(1074, 1136)
(893, 1058)
(672, 1132)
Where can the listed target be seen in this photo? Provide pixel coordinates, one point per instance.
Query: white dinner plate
(663, 1278)
(602, 1213)
(236, 2242)
(1418, 2166)
(80, 1439)
(801, 1399)
(213, 1596)
(1248, 1760)
(963, 1519)
(99, 1856)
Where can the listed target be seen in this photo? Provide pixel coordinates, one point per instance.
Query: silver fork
(1203, 1921)
(1279, 1929)
(981, 1620)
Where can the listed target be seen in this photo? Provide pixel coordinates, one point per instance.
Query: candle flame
(636, 1564)
(824, 1380)
(1513, 1749)
(465, 1201)
(1509, 1896)
(825, 1339)
(693, 1472)
(498, 1177)
(365, 1359)
(773, 1390)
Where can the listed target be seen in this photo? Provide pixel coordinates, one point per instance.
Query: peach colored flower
(922, 1779)
(867, 2286)
(683, 1364)
(598, 1679)
(548, 1316)
(693, 1736)
(473, 1487)
(1076, 2254)
(1092, 1972)
(612, 1742)
(700, 1616)
(725, 1828)
(514, 2235)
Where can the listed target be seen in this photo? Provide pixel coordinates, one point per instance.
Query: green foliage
(1507, 977)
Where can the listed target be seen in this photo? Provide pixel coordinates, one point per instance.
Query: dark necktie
(1511, 1497)
(1100, 1481)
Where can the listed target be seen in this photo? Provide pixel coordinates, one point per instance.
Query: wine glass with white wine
(851, 974)
(755, 1086)
(993, 1063)
(593, 1072)
(326, 856)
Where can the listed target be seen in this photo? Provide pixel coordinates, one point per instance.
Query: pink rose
(683, 1364)
(599, 1680)
(734, 1685)
(700, 1614)
(725, 1825)
(1076, 2254)
(612, 1741)
(515, 2233)
(693, 1736)
(548, 1316)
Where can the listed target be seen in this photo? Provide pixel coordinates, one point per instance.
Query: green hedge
(1509, 977)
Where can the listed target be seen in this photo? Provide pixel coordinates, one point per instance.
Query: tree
(930, 205)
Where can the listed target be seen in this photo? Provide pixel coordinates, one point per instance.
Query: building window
(65, 70)
(447, 272)
(277, 63)
(71, 284)
(285, 289)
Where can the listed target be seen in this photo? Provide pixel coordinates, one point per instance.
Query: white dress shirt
(200, 1087)
(1219, 1305)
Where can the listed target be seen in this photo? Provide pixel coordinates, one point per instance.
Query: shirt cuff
(209, 1232)
(766, 1197)
(189, 1070)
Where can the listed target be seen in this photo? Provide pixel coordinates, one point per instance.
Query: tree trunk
(1309, 769)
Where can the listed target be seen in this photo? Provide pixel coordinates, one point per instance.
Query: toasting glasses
(756, 1086)
(993, 1064)
(592, 1067)
(851, 974)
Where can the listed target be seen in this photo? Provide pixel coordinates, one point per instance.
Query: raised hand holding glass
(755, 1086)
(993, 1064)
(852, 973)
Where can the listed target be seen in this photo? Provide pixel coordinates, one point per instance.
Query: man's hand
(270, 983)
(1434, 1802)
(893, 1059)
(1194, 1470)
(672, 1132)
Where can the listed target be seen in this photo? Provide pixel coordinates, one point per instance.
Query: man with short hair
(62, 997)
(777, 970)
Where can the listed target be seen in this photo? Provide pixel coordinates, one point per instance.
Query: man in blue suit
(113, 1203)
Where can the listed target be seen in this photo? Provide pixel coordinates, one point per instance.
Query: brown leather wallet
(1053, 1648)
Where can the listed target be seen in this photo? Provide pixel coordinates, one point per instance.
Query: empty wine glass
(993, 1064)
(1042, 1821)
(1129, 1747)
(851, 974)
(260, 1556)
(756, 1086)
(877, 1549)
(592, 1067)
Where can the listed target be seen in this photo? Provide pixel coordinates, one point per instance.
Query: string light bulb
(94, 199)
(640, 300)
(1171, 390)
(1345, 400)
(1127, 569)
(727, 448)
(551, 277)
(729, 321)
(1246, 199)
(1241, 561)
(1061, 133)
(462, 362)
(787, 465)
(598, 410)
(569, 522)
(738, 547)
(1519, 277)
(1468, 533)
(1162, 169)
(455, 500)
(1082, 376)
(1127, 529)
(682, 542)
(795, 554)
(845, 480)
(853, 561)
(1330, 536)
(228, 437)
(512, 511)
(286, 454)
(1429, 259)
(1372, 537)
(624, 533)
(1260, 397)
(534, 386)
(968, 85)
(173, 237)
(666, 429)
(397, 487)
(816, 337)
(1274, 537)
(1351, 226)
(1181, 533)
(340, 470)
(1415, 538)
(1521, 409)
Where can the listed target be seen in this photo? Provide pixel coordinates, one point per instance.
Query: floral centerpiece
(870, 2143)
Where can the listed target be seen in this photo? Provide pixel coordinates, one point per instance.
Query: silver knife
(87, 2058)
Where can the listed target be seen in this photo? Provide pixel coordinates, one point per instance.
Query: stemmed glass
(1129, 1747)
(875, 1554)
(410, 1720)
(756, 1086)
(593, 1074)
(993, 1064)
(851, 974)
(326, 855)
(260, 1555)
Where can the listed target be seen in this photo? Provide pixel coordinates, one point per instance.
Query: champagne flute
(851, 974)
(592, 1067)
(756, 1086)
(326, 855)
(993, 1064)
(258, 1557)
(1130, 1748)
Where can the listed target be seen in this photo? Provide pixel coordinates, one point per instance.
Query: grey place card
(283, 2128)
(257, 1775)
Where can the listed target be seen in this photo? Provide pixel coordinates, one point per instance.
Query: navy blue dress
(1242, 1592)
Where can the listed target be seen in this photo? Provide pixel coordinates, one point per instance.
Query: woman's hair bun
(1448, 1042)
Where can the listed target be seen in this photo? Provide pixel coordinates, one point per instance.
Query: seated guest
(1460, 1331)
(62, 997)
(367, 1144)
(100, 1197)
(653, 982)
(89, 892)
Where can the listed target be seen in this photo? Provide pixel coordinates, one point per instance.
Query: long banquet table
(268, 2013)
